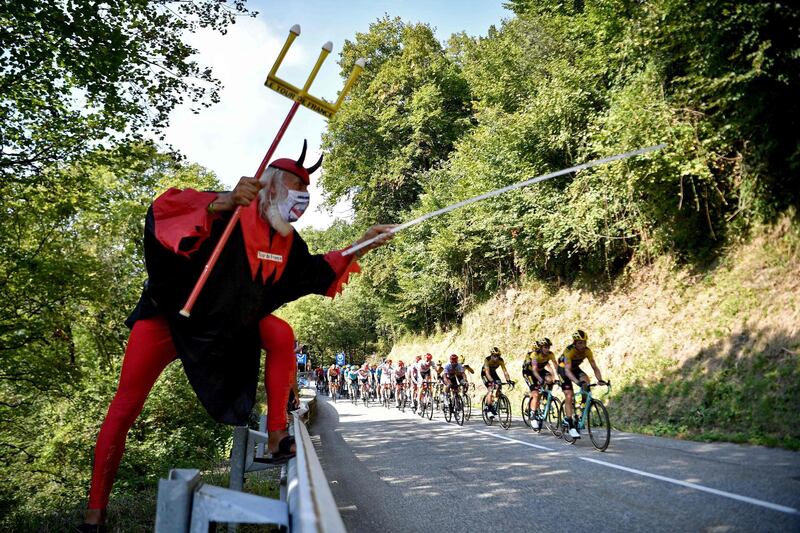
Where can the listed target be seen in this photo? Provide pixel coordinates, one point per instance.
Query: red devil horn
(315, 166)
(302, 154)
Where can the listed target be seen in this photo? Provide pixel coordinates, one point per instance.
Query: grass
(706, 355)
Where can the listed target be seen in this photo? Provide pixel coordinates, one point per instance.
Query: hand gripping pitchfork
(300, 97)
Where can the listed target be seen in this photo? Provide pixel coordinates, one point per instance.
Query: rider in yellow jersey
(490, 378)
(467, 368)
(569, 370)
(536, 372)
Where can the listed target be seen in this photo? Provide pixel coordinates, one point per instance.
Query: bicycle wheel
(429, 401)
(526, 411)
(466, 403)
(458, 409)
(486, 419)
(447, 407)
(365, 397)
(564, 424)
(599, 426)
(504, 411)
(551, 416)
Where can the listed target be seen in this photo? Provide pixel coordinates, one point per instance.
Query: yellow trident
(327, 109)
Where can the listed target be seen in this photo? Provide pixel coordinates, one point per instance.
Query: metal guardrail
(306, 504)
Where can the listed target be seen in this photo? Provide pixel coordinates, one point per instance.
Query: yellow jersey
(574, 357)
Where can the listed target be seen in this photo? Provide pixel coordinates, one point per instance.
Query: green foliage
(77, 74)
(558, 85)
(70, 269)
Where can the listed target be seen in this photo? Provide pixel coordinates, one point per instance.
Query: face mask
(294, 205)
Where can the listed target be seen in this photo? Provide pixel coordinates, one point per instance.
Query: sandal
(283, 454)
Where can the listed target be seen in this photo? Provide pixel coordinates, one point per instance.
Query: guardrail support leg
(238, 454)
(175, 500)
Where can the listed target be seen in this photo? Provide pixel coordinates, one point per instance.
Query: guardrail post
(238, 454)
(175, 499)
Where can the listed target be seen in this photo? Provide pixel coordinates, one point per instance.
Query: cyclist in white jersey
(399, 376)
(387, 377)
(423, 376)
(413, 379)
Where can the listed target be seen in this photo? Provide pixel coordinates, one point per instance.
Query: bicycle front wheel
(486, 418)
(466, 402)
(551, 416)
(504, 411)
(599, 426)
(429, 402)
(458, 409)
(563, 423)
(447, 407)
(525, 408)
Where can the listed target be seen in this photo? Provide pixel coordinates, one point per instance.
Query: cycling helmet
(495, 351)
(580, 335)
(400, 363)
(418, 358)
(461, 359)
(388, 361)
(454, 358)
(544, 341)
(428, 357)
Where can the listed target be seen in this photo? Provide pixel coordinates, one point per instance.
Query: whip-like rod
(497, 192)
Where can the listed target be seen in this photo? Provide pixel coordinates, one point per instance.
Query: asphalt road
(392, 471)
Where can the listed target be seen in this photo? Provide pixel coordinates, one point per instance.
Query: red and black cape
(257, 272)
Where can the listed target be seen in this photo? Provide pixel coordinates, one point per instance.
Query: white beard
(273, 216)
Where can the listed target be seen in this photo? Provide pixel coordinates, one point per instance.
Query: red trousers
(149, 351)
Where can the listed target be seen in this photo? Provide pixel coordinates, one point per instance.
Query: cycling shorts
(566, 383)
(400, 380)
(494, 375)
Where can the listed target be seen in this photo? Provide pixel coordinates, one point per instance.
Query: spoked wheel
(429, 401)
(599, 426)
(334, 395)
(458, 409)
(551, 416)
(526, 411)
(563, 424)
(504, 411)
(425, 405)
(447, 407)
(486, 420)
(466, 403)
(366, 399)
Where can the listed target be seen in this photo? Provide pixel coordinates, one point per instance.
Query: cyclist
(413, 378)
(536, 372)
(352, 384)
(386, 372)
(373, 379)
(399, 376)
(364, 377)
(452, 373)
(569, 370)
(424, 370)
(319, 378)
(463, 362)
(490, 378)
(333, 379)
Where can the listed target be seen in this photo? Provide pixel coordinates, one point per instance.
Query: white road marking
(515, 440)
(695, 486)
(687, 484)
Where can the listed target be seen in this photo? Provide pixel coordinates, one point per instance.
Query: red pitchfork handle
(212, 260)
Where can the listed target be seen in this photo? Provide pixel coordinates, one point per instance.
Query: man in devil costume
(264, 265)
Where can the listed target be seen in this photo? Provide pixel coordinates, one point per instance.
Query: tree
(81, 74)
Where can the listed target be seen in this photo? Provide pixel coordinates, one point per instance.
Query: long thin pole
(497, 192)
(212, 260)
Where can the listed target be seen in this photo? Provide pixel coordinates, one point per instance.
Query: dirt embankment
(711, 354)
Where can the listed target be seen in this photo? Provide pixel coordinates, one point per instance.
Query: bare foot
(275, 438)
